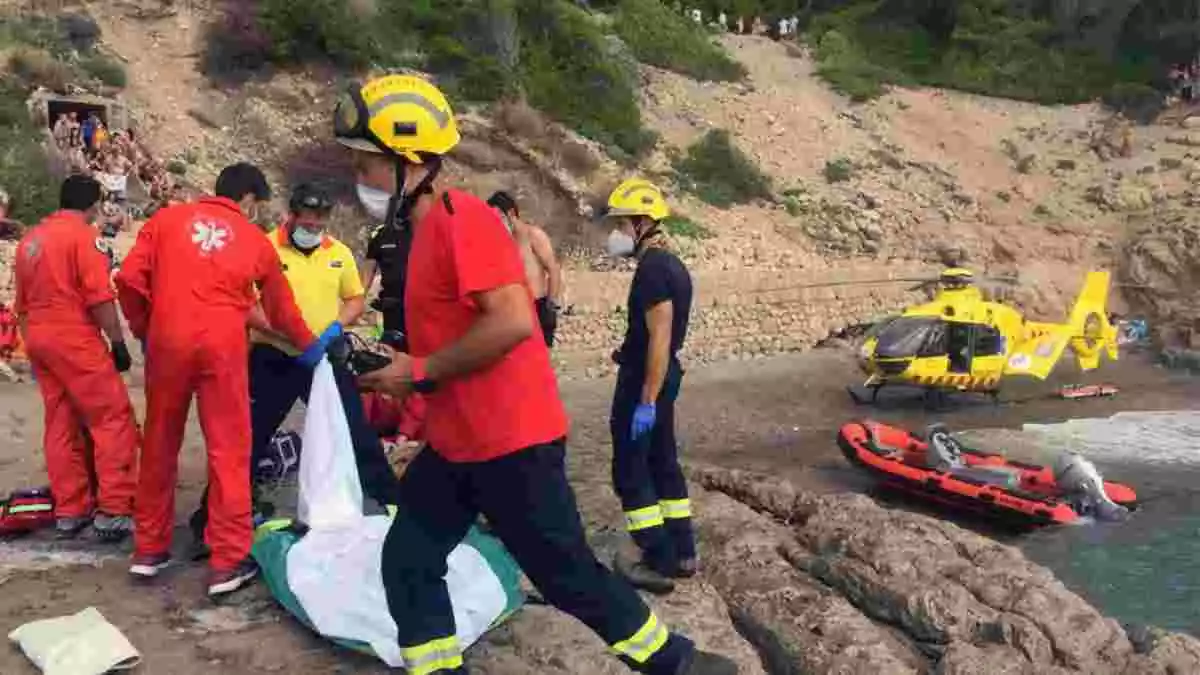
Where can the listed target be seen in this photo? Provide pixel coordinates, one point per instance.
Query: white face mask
(374, 201)
(305, 239)
(620, 245)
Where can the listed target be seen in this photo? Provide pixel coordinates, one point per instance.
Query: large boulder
(1160, 263)
(839, 584)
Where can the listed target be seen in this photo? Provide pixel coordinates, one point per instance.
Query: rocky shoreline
(796, 582)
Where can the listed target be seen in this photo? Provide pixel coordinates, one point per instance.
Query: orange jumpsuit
(61, 274)
(186, 288)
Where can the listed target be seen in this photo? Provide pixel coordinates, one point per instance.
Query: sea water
(1147, 569)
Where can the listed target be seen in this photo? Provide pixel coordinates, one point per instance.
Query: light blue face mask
(305, 239)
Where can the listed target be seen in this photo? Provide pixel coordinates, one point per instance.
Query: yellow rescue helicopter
(961, 342)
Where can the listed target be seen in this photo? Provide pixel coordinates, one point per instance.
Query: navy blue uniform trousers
(531, 508)
(646, 473)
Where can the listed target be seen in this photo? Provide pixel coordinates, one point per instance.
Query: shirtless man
(62, 131)
(541, 266)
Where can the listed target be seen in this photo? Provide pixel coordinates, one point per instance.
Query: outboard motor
(943, 453)
(1084, 488)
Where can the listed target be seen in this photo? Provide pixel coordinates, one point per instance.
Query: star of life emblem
(210, 236)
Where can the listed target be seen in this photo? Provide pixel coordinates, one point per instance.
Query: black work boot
(707, 663)
(686, 569)
(641, 575)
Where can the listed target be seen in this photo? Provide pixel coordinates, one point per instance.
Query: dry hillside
(928, 178)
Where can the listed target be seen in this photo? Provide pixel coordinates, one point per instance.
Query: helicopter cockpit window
(907, 337)
(988, 341)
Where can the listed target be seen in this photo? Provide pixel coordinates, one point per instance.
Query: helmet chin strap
(645, 236)
(402, 203)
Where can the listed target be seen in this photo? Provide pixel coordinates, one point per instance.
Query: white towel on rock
(79, 644)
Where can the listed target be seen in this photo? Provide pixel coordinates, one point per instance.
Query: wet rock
(962, 658)
(1171, 654)
(962, 603)
(797, 624)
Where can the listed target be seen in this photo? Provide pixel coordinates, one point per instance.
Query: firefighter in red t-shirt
(495, 426)
(187, 288)
(64, 302)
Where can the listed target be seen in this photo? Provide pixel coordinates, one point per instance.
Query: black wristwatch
(424, 386)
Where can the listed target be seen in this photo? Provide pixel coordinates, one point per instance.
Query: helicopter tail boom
(1087, 331)
(1091, 331)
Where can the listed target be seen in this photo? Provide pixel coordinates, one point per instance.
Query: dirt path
(161, 51)
(777, 415)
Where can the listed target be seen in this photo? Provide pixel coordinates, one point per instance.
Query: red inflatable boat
(981, 482)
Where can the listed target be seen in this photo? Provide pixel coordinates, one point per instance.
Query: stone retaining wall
(740, 314)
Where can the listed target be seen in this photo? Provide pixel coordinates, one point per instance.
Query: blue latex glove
(316, 351)
(643, 420)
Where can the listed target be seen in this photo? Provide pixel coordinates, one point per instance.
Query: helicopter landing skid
(860, 399)
(934, 398)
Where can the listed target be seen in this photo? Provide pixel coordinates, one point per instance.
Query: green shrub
(104, 68)
(302, 31)
(1136, 100)
(33, 31)
(42, 55)
(848, 69)
(24, 171)
(177, 167)
(664, 38)
(839, 170)
(796, 200)
(686, 228)
(552, 52)
(992, 51)
(472, 45)
(565, 72)
(36, 67)
(719, 173)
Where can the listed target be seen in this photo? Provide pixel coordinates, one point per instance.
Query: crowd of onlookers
(112, 158)
(778, 27)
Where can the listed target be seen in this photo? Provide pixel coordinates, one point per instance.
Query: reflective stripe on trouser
(646, 472)
(674, 509)
(645, 643)
(640, 519)
(532, 510)
(432, 656)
